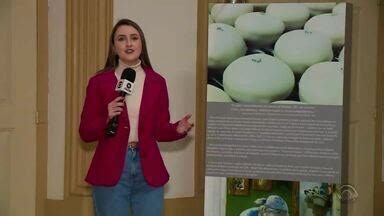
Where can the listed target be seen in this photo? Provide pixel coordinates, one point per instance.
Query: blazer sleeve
(94, 116)
(166, 131)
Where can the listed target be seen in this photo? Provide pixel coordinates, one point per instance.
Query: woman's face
(128, 44)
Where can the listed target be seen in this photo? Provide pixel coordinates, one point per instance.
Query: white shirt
(133, 101)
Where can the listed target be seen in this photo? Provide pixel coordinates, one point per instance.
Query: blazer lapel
(151, 86)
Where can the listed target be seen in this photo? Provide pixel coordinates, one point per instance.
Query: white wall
(56, 99)
(170, 28)
(215, 196)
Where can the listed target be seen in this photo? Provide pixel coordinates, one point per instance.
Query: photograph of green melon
(276, 52)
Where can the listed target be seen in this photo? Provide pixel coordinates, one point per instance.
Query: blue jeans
(131, 195)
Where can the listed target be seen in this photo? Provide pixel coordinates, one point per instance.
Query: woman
(127, 172)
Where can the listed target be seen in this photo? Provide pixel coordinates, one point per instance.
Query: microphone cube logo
(124, 86)
(128, 86)
(119, 85)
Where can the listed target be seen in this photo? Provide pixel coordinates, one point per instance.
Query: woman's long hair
(113, 58)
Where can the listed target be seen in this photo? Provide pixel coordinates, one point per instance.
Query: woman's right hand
(115, 107)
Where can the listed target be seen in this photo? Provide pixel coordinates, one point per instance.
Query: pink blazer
(108, 160)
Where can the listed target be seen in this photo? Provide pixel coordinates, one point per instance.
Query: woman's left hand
(184, 126)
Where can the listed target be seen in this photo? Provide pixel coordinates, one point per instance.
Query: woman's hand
(115, 107)
(184, 126)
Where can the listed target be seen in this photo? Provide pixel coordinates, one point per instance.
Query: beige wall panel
(5, 47)
(23, 97)
(362, 106)
(87, 23)
(78, 28)
(17, 106)
(379, 150)
(5, 64)
(355, 61)
(5, 171)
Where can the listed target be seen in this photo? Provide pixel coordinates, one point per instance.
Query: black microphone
(124, 86)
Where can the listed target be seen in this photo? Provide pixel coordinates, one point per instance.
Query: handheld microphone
(124, 87)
